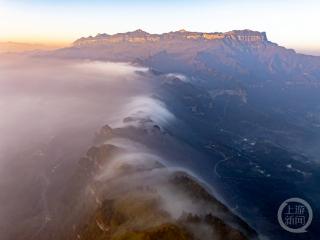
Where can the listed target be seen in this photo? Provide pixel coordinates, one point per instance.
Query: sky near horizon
(290, 23)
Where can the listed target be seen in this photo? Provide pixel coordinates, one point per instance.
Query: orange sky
(292, 24)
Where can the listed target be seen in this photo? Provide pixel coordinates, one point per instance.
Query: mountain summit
(140, 36)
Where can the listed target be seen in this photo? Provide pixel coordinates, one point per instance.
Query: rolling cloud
(49, 112)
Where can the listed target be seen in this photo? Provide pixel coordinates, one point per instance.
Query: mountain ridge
(18, 47)
(239, 55)
(141, 36)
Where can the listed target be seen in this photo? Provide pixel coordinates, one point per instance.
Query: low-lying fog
(50, 110)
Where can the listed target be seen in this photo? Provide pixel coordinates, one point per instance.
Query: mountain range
(246, 122)
(17, 47)
(241, 54)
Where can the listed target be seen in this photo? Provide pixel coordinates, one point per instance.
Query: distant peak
(140, 36)
(140, 31)
(248, 35)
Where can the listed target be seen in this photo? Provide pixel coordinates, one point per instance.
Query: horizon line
(49, 42)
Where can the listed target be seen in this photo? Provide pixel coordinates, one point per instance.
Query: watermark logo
(295, 215)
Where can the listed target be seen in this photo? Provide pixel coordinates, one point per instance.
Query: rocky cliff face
(140, 36)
